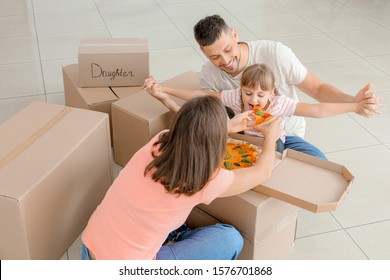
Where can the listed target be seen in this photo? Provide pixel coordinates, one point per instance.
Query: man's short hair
(209, 29)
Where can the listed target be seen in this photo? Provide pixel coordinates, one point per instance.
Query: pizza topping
(246, 160)
(227, 165)
(227, 156)
(261, 115)
(239, 155)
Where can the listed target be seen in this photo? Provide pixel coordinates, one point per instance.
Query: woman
(156, 191)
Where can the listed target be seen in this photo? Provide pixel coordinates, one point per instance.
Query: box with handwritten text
(113, 61)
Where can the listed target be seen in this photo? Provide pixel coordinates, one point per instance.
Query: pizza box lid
(308, 182)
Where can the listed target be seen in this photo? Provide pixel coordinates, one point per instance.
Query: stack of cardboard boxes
(109, 78)
(56, 161)
(64, 153)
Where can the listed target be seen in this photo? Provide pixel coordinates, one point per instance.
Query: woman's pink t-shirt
(137, 214)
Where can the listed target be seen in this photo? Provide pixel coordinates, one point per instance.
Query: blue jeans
(84, 253)
(215, 242)
(299, 144)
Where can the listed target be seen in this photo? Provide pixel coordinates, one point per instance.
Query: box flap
(308, 182)
(122, 92)
(141, 105)
(90, 95)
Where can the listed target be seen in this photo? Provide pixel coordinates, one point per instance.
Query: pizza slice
(261, 115)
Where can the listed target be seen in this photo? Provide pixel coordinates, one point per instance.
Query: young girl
(258, 88)
(156, 191)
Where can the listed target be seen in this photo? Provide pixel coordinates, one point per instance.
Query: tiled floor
(344, 42)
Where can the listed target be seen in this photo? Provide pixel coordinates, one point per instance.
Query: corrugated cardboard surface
(308, 182)
(97, 98)
(139, 117)
(113, 61)
(268, 228)
(85, 98)
(55, 168)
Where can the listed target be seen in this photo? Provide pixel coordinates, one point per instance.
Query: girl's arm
(171, 104)
(155, 91)
(323, 110)
(182, 93)
(248, 178)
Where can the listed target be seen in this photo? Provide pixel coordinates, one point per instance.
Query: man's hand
(370, 103)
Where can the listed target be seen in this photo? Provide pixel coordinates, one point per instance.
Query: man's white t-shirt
(288, 71)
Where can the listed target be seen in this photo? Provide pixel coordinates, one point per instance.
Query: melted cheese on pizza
(261, 115)
(239, 155)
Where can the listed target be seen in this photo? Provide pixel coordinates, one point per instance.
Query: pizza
(261, 115)
(239, 154)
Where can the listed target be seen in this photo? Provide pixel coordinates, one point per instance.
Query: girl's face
(251, 97)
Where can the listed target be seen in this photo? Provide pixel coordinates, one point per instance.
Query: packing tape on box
(34, 137)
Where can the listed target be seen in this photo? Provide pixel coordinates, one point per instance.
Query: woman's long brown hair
(192, 150)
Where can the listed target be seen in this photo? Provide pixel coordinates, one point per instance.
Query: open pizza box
(308, 182)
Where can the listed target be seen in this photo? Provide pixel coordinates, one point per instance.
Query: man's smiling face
(224, 53)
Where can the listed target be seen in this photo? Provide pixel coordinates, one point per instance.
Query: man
(228, 57)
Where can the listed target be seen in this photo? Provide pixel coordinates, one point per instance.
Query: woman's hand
(241, 122)
(271, 129)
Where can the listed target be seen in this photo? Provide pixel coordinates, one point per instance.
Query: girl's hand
(155, 89)
(149, 82)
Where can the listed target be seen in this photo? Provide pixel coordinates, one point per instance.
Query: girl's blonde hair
(192, 150)
(259, 75)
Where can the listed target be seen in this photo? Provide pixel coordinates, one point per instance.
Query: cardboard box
(55, 168)
(266, 215)
(267, 225)
(96, 99)
(322, 188)
(113, 62)
(139, 117)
